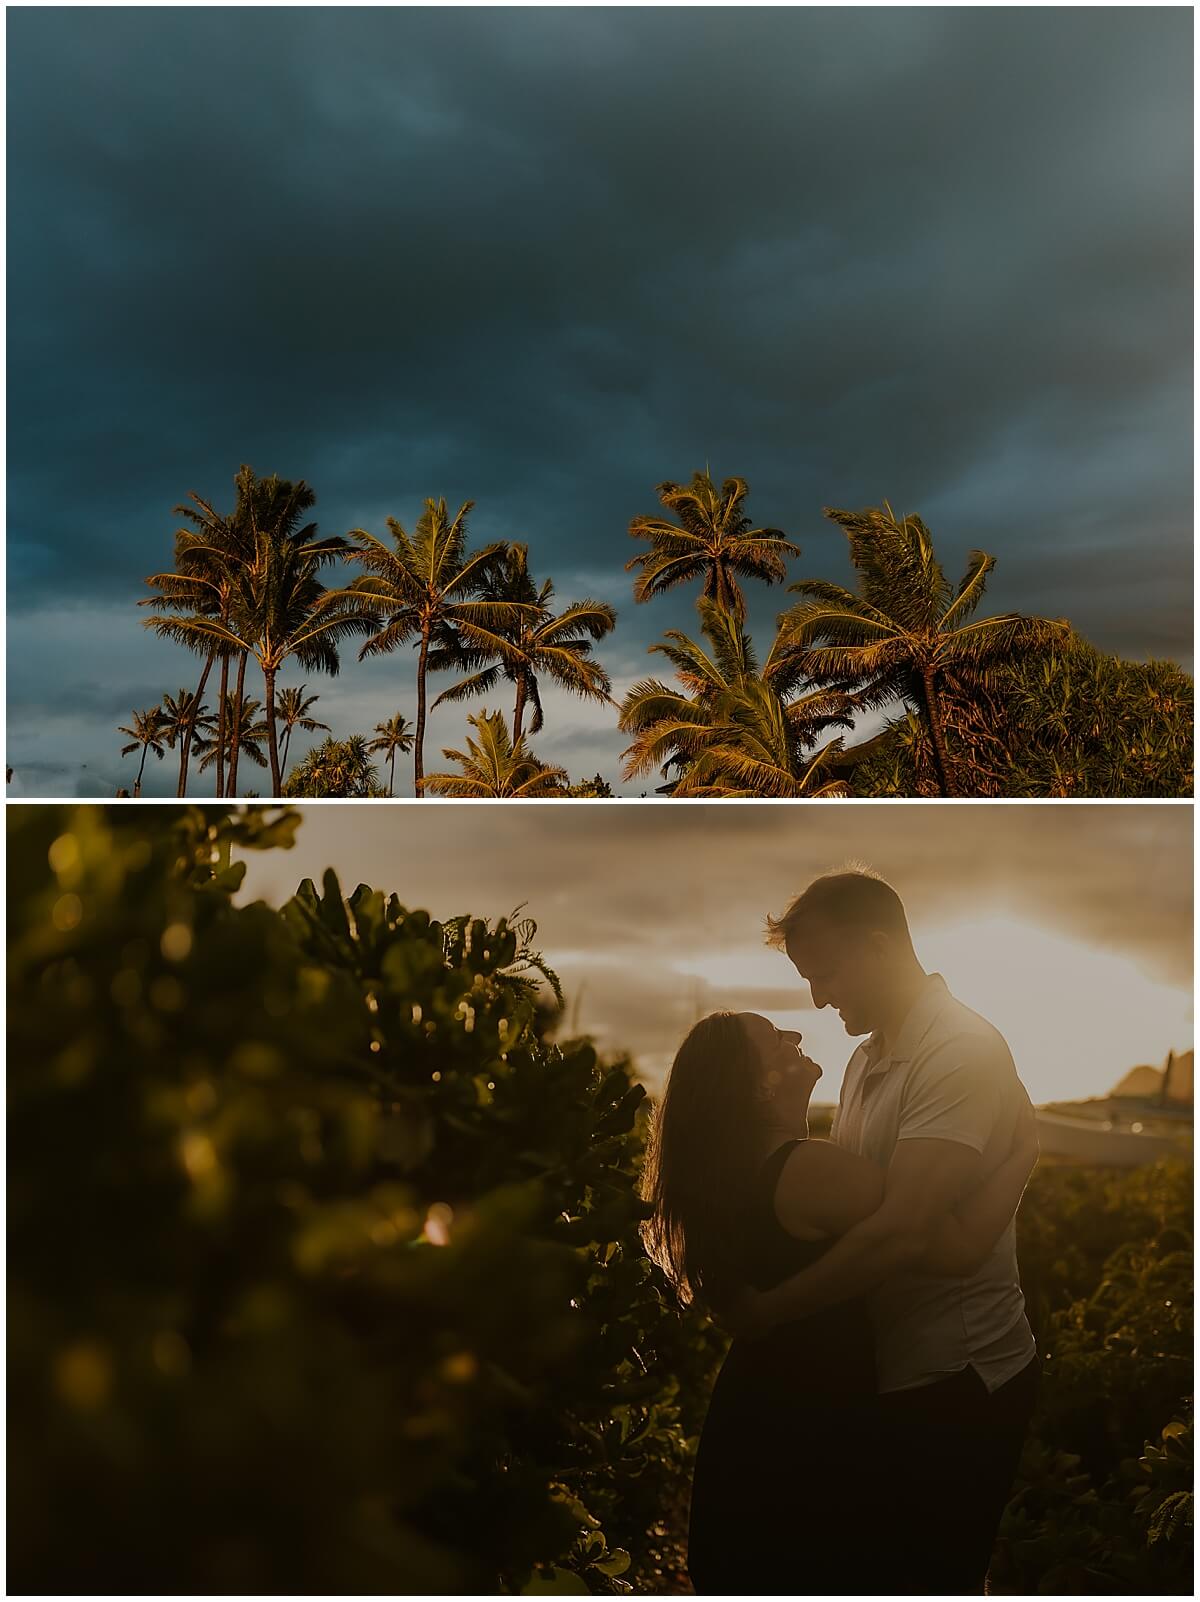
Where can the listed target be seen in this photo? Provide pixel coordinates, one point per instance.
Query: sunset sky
(1069, 927)
(544, 259)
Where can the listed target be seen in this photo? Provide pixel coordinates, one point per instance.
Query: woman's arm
(824, 1190)
(962, 1241)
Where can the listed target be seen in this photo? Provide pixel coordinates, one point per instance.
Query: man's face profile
(841, 968)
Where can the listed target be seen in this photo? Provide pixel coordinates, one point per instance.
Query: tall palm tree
(539, 642)
(906, 627)
(729, 729)
(713, 540)
(148, 731)
(393, 736)
(427, 588)
(245, 728)
(183, 718)
(278, 607)
(201, 585)
(496, 766)
(292, 711)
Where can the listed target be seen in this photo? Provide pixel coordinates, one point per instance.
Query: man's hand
(748, 1314)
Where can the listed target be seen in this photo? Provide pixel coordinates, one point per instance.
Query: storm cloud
(545, 258)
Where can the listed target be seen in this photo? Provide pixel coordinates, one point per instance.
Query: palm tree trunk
(235, 734)
(392, 773)
(727, 594)
(269, 687)
(937, 731)
(419, 741)
(221, 724)
(519, 709)
(287, 740)
(185, 755)
(137, 783)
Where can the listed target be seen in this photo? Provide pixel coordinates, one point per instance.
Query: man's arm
(962, 1242)
(950, 1124)
(925, 1181)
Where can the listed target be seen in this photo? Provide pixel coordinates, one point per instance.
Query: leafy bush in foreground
(324, 1266)
(1104, 1500)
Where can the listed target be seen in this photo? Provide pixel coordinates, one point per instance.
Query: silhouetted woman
(791, 1490)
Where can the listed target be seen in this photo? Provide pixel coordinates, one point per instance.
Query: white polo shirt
(949, 1076)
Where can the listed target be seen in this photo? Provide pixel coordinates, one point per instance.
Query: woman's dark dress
(786, 1494)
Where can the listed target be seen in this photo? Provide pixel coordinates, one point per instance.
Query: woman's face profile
(786, 1075)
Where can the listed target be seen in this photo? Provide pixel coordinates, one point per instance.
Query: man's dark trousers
(953, 1451)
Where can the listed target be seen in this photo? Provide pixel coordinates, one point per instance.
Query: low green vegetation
(1104, 1502)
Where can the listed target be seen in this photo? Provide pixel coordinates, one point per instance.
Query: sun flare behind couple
(865, 1427)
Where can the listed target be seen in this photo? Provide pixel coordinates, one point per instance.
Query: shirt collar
(918, 1020)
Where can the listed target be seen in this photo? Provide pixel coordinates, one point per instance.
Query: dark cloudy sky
(545, 258)
(1069, 926)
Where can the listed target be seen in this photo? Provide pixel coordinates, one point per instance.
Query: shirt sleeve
(956, 1094)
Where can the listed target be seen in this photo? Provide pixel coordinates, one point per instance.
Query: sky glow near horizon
(1076, 1018)
(1076, 944)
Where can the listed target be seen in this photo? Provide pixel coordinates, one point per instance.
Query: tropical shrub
(1071, 721)
(1103, 1502)
(324, 1263)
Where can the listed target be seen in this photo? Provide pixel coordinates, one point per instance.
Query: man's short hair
(853, 900)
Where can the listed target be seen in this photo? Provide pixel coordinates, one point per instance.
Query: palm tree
(538, 642)
(183, 717)
(496, 766)
(149, 732)
(278, 607)
(712, 540)
(208, 558)
(200, 585)
(729, 730)
(394, 736)
(292, 710)
(245, 728)
(428, 589)
(906, 627)
(335, 768)
(761, 749)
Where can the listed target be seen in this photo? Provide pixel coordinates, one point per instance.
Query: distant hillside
(1171, 1084)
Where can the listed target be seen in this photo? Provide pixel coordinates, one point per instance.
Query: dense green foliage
(324, 1264)
(1069, 722)
(1104, 1502)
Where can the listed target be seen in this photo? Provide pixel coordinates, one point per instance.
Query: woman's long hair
(700, 1158)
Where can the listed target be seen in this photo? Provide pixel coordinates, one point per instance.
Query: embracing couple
(865, 1428)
